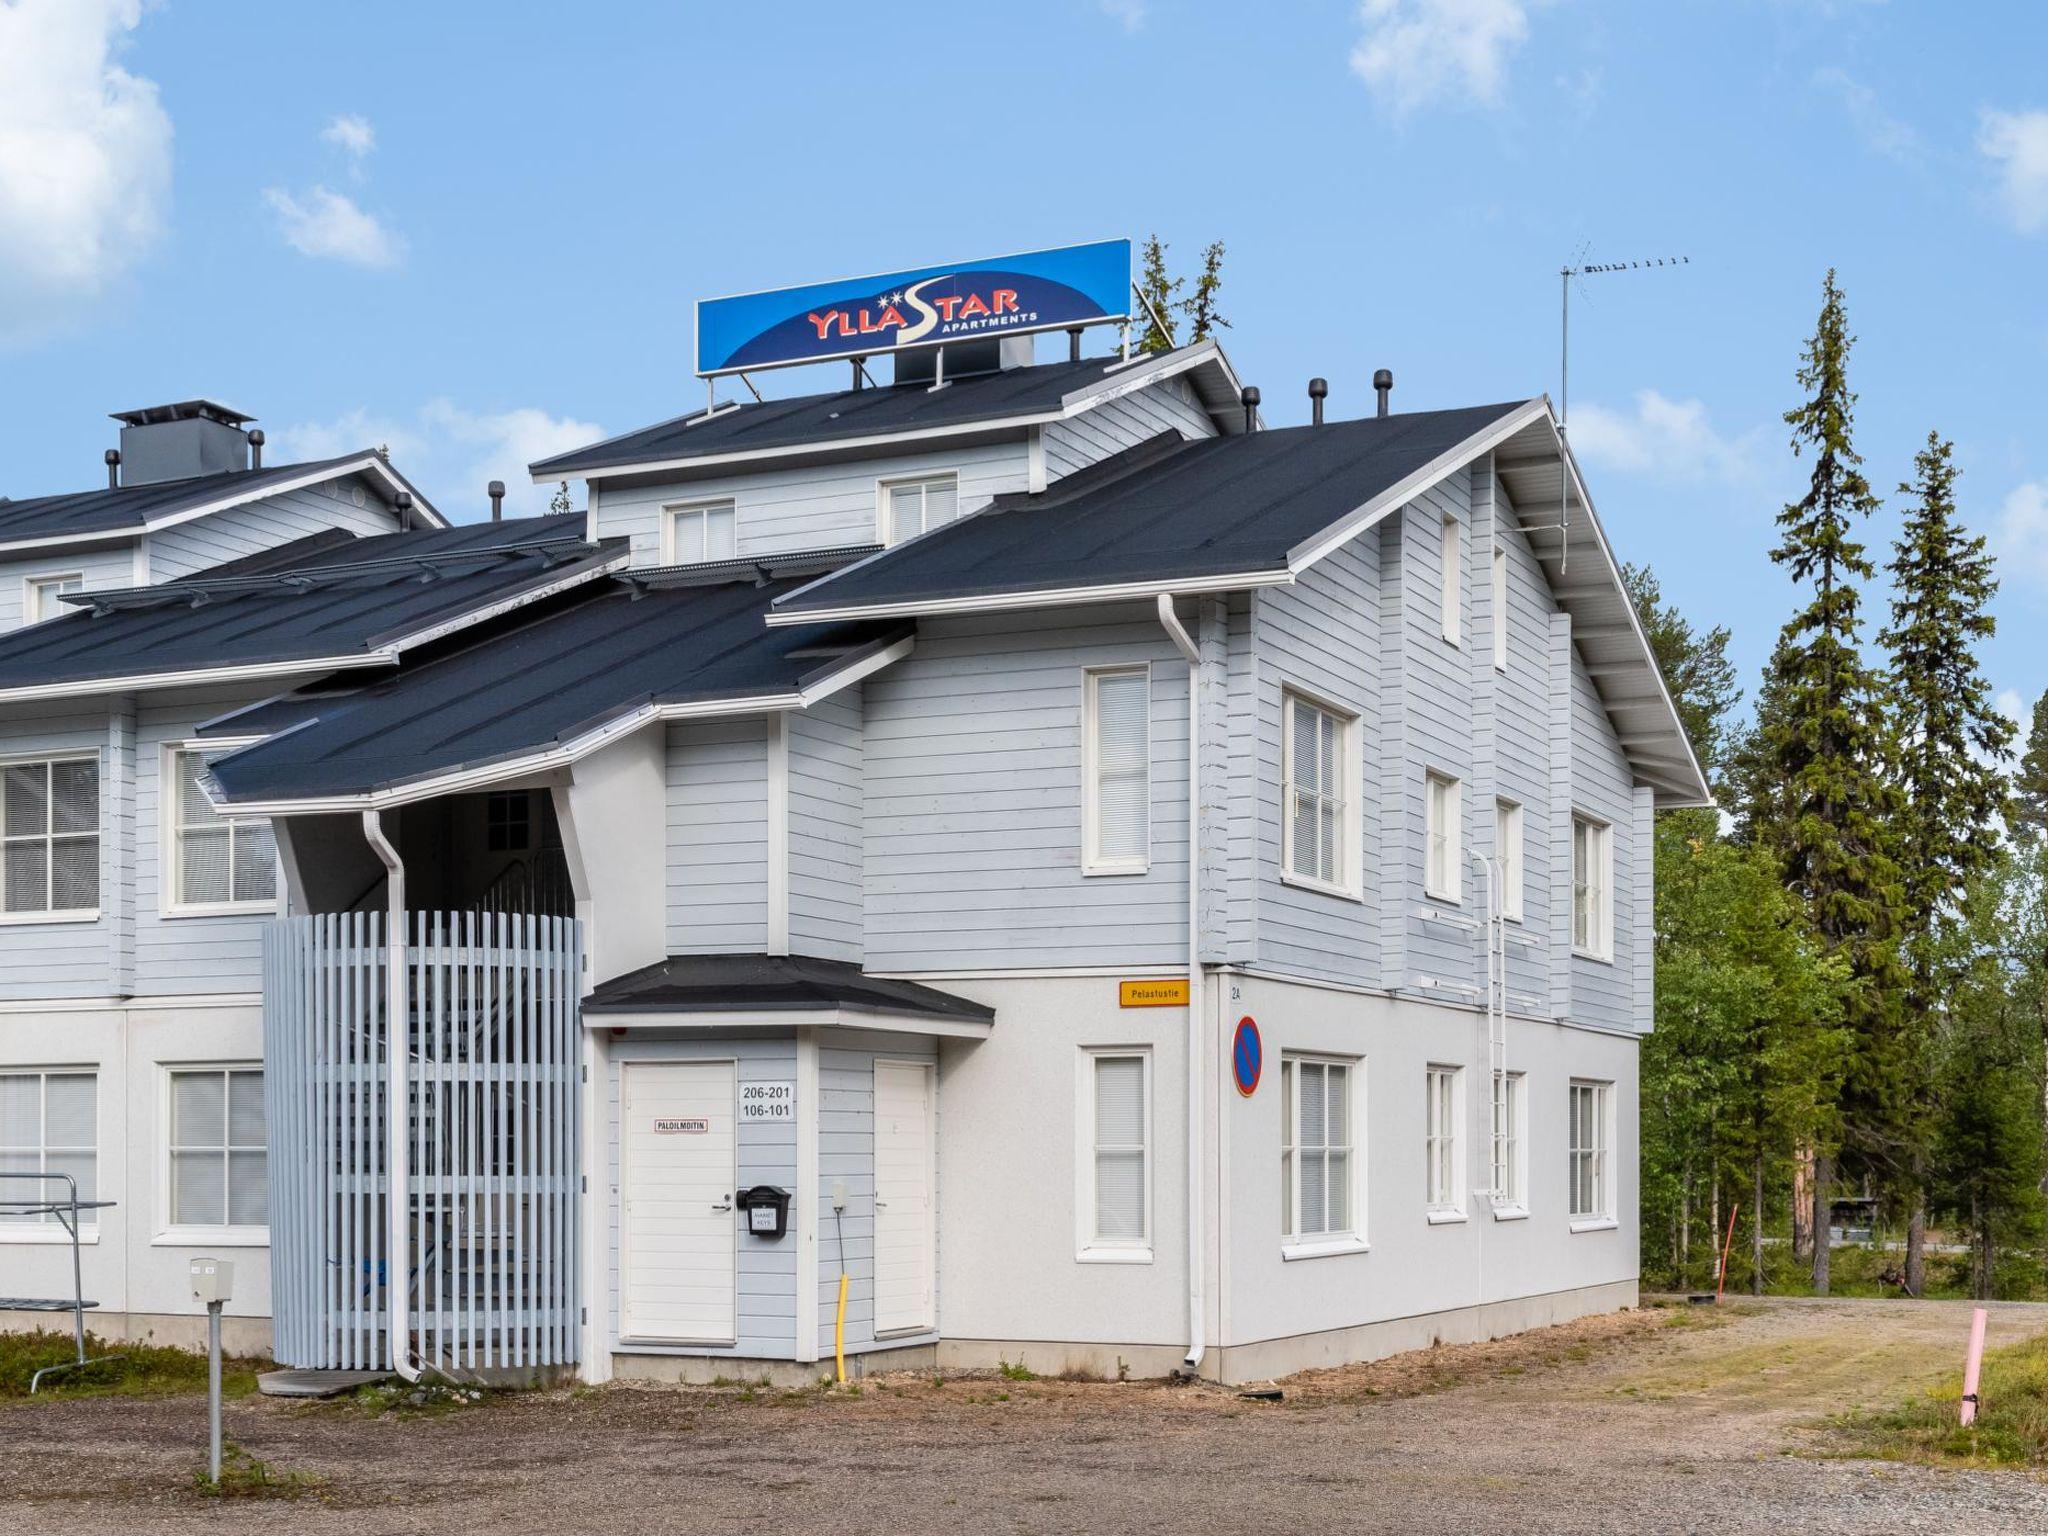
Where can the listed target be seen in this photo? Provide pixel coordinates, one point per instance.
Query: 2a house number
(767, 1101)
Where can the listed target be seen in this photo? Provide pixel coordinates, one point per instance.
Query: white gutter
(397, 1047)
(1197, 1302)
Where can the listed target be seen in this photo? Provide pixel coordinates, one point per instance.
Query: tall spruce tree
(2029, 817)
(1950, 742)
(1826, 739)
(1695, 665)
(1162, 290)
(1204, 319)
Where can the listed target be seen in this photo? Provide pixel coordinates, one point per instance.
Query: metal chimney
(256, 442)
(113, 457)
(403, 501)
(496, 491)
(1383, 385)
(1249, 398)
(1318, 391)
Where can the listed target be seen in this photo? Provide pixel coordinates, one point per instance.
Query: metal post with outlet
(213, 1281)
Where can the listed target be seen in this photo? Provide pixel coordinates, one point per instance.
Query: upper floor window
(215, 863)
(50, 816)
(1592, 888)
(1500, 608)
(41, 594)
(693, 535)
(1443, 872)
(1592, 1182)
(911, 507)
(1117, 1114)
(1317, 1136)
(219, 1165)
(1452, 588)
(1317, 812)
(1117, 785)
(49, 1123)
(1507, 857)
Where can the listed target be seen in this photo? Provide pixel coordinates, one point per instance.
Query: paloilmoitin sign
(858, 317)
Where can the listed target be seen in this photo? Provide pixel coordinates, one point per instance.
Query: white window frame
(1590, 1105)
(1092, 860)
(60, 914)
(1509, 1111)
(1443, 1148)
(1510, 844)
(1451, 580)
(170, 1234)
(883, 522)
(1500, 607)
(1596, 894)
(37, 603)
(1088, 1247)
(1443, 827)
(1294, 1243)
(1350, 774)
(675, 511)
(170, 864)
(47, 1229)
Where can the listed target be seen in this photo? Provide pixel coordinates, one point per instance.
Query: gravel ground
(1631, 1423)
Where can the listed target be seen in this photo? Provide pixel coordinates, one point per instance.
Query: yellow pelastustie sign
(1164, 993)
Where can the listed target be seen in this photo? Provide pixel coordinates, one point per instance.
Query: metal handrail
(58, 1208)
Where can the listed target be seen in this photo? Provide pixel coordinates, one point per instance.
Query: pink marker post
(1972, 1364)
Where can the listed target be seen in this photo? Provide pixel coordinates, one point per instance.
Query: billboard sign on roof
(858, 317)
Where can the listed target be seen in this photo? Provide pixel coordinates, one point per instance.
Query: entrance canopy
(723, 992)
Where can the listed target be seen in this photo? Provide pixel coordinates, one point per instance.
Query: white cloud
(1414, 52)
(1129, 14)
(85, 156)
(1880, 132)
(1671, 439)
(328, 224)
(2021, 539)
(353, 135)
(2009, 704)
(451, 453)
(2018, 143)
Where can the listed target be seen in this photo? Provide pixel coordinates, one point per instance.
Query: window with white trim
(1317, 816)
(1507, 857)
(695, 534)
(1591, 1174)
(219, 1162)
(1117, 781)
(215, 862)
(1500, 608)
(1441, 1148)
(49, 1123)
(40, 598)
(1451, 591)
(1443, 823)
(1318, 1136)
(1592, 888)
(1510, 1180)
(911, 507)
(50, 834)
(1119, 1129)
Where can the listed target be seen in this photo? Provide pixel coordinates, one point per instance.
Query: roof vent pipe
(1249, 397)
(113, 457)
(496, 491)
(1383, 385)
(1318, 390)
(256, 442)
(403, 501)
(1074, 345)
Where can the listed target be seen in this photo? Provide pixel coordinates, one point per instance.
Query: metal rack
(66, 1211)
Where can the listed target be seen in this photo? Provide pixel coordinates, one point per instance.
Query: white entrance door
(678, 1239)
(903, 1197)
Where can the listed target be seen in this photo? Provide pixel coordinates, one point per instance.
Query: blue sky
(475, 231)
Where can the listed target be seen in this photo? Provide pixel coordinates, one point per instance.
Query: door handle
(881, 1205)
(724, 1204)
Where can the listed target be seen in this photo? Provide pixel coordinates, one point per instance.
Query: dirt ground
(1637, 1422)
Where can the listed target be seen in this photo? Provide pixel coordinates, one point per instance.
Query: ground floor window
(219, 1168)
(1440, 1147)
(49, 1123)
(1119, 1128)
(1508, 1178)
(1591, 1157)
(1317, 1141)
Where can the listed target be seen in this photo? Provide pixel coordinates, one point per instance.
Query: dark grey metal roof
(316, 598)
(772, 984)
(803, 420)
(1168, 509)
(525, 685)
(131, 508)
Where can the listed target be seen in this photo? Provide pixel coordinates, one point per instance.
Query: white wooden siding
(1168, 406)
(717, 837)
(101, 568)
(265, 524)
(1602, 991)
(825, 761)
(61, 959)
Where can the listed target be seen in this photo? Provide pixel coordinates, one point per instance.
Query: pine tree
(1164, 293)
(1827, 742)
(560, 502)
(2029, 817)
(1200, 307)
(1950, 740)
(1695, 665)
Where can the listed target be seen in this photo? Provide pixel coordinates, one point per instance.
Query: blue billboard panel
(857, 317)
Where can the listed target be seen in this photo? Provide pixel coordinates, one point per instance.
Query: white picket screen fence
(493, 1120)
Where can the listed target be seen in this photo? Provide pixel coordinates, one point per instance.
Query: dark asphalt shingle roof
(1167, 509)
(133, 507)
(822, 419)
(317, 597)
(535, 683)
(772, 983)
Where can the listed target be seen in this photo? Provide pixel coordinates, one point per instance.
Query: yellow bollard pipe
(839, 1331)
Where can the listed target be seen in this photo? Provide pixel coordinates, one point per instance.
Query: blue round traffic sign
(1247, 1055)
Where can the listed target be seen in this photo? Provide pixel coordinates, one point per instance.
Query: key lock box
(764, 1210)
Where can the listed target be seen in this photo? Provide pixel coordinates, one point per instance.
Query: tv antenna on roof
(1580, 268)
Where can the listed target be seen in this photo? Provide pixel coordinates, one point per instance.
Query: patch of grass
(2012, 1418)
(142, 1370)
(1018, 1372)
(424, 1398)
(243, 1476)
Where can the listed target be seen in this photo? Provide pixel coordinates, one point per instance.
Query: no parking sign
(1247, 1055)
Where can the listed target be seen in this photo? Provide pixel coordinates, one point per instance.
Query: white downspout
(1197, 1257)
(397, 1048)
